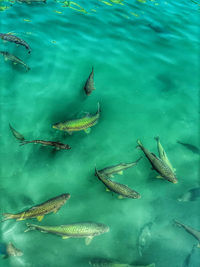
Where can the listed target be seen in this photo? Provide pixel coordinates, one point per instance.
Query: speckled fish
(123, 190)
(89, 85)
(49, 206)
(112, 263)
(191, 195)
(190, 230)
(14, 39)
(32, 1)
(57, 145)
(193, 148)
(117, 169)
(16, 134)
(79, 124)
(162, 154)
(160, 166)
(14, 59)
(75, 230)
(144, 237)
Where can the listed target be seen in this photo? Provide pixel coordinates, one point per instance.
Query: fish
(13, 251)
(89, 85)
(190, 230)
(162, 153)
(32, 1)
(118, 169)
(57, 145)
(14, 59)
(96, 262)
(191, 195)
(157, 164)
(14, 39)
(79, 124)
(49, 206)
(144, 237)
(85, 230)
(193, 148)
(123, 190)
(16, 134)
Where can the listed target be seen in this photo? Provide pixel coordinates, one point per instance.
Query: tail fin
(7, 216)
(30, 227)
(157, 138)
(24, 142)
(139, 143)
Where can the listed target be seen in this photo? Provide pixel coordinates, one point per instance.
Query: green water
(145, 58)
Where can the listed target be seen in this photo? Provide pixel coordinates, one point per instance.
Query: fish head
(136, 195)
(172, 179)
(65, 197)
(102, 228)
(58, 126)
(65, 146)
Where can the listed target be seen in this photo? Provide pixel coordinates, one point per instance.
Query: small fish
(123, 190)
(193, 148)
(13, 251)
(57, 145)
(157, 164)
(32, 1)
(96, 262)
(89, 85)
(49, 206)
(162, 154)
(76, 230)
(144, 237)
(119, 168)
(79, 124)
(191, 195)
(190, 230)
(14, 39)
(16, 134)
(14, 59)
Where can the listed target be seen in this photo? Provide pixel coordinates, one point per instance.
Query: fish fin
(174, 169)
(120, 172)
(14, 63)
(159, 177)
(87, 131)
(198, 245)
(21, 219)
(110, 176)
(7, 216)
(70, 133)
(108, 190)
(40, 218)
(5, 256)
(154, 155)
(30, 227)
(5, 58)
(120, 197)
(88, 240)
(65, 237)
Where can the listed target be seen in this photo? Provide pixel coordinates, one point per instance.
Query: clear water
(145, 58)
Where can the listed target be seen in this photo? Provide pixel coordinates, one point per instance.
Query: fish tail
(138, 160)
(177, 223)
(8, 216)
(99, 108)
(30, 227)
(157, 138)
(24, 142)
(139, 143)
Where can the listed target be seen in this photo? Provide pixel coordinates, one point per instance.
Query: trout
(160, 166)
(14, 39)
(190, 230)
(123, 190)
(112, 263)
(76, 230)
(49, 206)
(89, 85)
(117, 169)
(14, 59)
(16, 134)
(57, 145)
(79, 124)
(162, 154)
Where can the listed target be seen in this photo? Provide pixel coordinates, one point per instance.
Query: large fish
(191, 195)
(123, 190)
(89, 85)
(190, 230)
(75, 230)
(96, 262)
(144, 237)
(160, 166)
(162, 153)
(14, 39)
(16, 134)
(117, 169)
(57, 145)
(193, 148)
(14, 59)
(79, 124)
(49, 206)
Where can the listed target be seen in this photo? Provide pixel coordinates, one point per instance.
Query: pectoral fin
(65, 237)
(110, 176)
(159, 177)
(88, 240)
(120, 197)
(198, 245)
(39, 218)
(108, 190)
(120, 172)
(20, 219)
(88, 130)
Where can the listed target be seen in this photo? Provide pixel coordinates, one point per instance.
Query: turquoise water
(145, 58)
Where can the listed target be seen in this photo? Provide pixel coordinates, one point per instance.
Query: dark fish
(190, 230)
(191, 195)
(144, 237)
(193, 148)
(57, 145)
(32, 1)
(123, 190)
(14, 39)
(192, 260)
(160, 166)
(16, 134)
(96, 262)
(89, 85)
(14, 59)
(13, 251)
